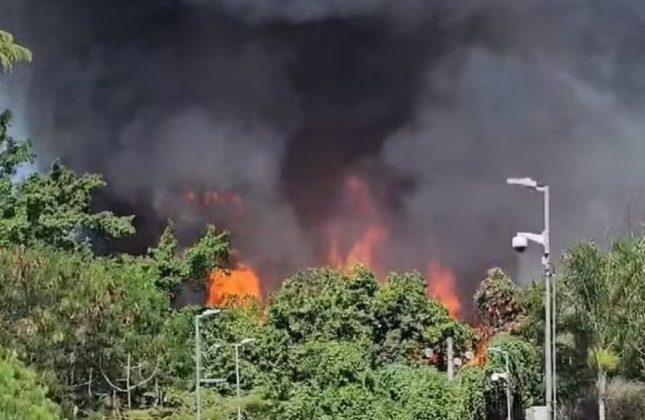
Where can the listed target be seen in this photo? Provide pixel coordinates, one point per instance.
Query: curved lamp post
(543, 239)
(507, 378)
(198, 359)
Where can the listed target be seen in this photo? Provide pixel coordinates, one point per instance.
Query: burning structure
(336, 131)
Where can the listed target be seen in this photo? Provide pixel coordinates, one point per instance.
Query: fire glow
(442, 286)
(240, 282)
(356, 234)
(214, 197)
(371, 236)
(371, 241)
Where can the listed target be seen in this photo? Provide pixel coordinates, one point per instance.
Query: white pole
(451, 356)
(549, 298)
(198, 359)
(237, 379)
(550, 283)
(547, 236)
(546, 262)
(198, 367)
(509, 401)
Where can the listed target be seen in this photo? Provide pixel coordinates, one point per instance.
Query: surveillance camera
(520, 243)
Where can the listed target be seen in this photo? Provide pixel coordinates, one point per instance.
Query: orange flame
(362, 251)
(485, 337)
(372, 236)
(442, 285)
(239, 282)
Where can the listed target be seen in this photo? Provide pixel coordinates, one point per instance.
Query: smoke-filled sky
(434, 103)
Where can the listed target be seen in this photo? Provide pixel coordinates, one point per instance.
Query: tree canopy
(11, 52)
(603, 300)
(21, 394)
(51, 208)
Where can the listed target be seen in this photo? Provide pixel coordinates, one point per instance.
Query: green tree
(406, 321)
(21, 395)
(88, 313)
(498, 301)
(474, 386)
(327, 338)
(52, 208)
(180, 405)
(329, 379)
(396, 316)
(172, 267)
(337, 380)
(626, 399)
(419, 393)
(525, 368)
(604, 301)
(509, 319)
(11, 52)
(325, 304)
(93, 313)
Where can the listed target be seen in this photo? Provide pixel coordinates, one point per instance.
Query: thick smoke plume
(279, 101)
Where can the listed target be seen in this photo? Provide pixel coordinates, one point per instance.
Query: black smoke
(435, 103)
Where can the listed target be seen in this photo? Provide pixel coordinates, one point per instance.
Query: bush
(625, 400)
(21, 396)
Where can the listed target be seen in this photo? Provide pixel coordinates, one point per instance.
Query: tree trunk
(602, 388)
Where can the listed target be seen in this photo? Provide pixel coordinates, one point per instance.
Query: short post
(198, 368)
(451, 356)
(237, 381)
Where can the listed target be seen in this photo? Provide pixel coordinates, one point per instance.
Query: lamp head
(209, 312)
(523, 182)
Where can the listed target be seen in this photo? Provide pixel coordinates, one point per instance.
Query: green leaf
(11, 52)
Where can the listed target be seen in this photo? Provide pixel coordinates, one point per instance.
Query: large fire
(239, 282)
(362, 251)
(442, 286)
(370, 240)
(481, 350)
(357, 234)
(242, 280)
(369, 232)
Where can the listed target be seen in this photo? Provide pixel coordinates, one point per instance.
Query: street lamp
(237, 373)
(520, 243)
(507, 377)
(198, 358)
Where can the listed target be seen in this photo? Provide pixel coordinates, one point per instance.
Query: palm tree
(604, 293)
(10, 52)
(603, 361)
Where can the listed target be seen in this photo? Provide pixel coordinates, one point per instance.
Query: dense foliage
(21, 395)
(338, 345)
(106, 336)
(52, 208)
(498, 301)
(603, 314)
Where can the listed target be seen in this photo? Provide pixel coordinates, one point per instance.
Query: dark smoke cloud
(279, 100)
(295, 11)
